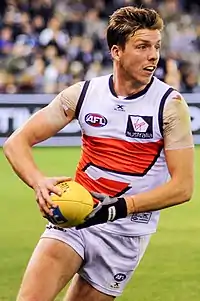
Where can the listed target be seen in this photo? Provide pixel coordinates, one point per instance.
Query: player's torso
(123, 147)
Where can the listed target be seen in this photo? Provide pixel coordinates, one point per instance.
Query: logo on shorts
(139, 127)
(143, 217)
(115, 285)
(118, 278)
(95, 120)
(53, 227)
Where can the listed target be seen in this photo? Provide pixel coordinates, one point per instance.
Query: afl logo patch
(120, 277)
(96, 120)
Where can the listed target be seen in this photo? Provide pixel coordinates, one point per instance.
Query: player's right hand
(43, 188)
(108, 209)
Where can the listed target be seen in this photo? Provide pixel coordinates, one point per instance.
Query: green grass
(170, 270)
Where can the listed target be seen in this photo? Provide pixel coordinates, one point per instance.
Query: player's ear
(115, 53)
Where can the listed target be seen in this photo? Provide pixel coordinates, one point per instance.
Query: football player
(137, 156)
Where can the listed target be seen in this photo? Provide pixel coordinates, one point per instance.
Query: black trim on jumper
(161, 108)
(81, 98)
(133, 96)
(120, 193)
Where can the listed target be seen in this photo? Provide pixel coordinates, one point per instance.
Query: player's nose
(153, 54)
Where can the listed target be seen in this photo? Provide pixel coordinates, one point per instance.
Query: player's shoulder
(161, 85)
(75, 88)
(68, 98)
(175, 102)
(173, 93)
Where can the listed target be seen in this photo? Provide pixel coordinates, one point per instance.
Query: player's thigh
(51, 266)
(81, 290)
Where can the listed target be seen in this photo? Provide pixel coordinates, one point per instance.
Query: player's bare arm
(179, 153)
(41, 126)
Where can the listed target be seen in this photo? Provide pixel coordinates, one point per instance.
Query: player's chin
(145, 79)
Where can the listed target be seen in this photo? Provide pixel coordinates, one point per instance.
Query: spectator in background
(190, 82)
(36, 71)
(86, 54)
(53, 34)
(44, 8)
(7, 83)
(6, 41)
(167, 71)
(64, 76)
(25, 84)
(74, 24)
(192, 6)
(94, 26)
(74, 47)
(38, 25)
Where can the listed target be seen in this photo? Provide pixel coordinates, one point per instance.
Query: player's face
(137, 62)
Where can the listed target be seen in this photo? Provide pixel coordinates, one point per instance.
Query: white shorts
(109, 260)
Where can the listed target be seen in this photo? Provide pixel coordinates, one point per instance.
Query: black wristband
(121, 209)
(107, 212)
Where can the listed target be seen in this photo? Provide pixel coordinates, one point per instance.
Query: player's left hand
(108, 209)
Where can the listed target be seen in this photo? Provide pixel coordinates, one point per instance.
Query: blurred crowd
(47, 45)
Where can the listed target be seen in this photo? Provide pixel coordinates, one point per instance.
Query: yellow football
(74, 205)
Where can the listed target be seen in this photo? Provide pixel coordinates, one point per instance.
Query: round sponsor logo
(96, 120)
(120, 277)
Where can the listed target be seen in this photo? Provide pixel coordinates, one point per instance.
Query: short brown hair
(125, 21)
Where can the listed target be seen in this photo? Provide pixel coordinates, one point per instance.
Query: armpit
(177, 124)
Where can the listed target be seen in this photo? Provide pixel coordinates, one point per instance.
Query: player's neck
(125, 87)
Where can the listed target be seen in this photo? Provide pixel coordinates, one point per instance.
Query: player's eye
(158, 46)
(142, 46)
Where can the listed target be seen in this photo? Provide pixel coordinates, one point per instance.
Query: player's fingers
(38, 200)
(98, 196)
(45, 201)
(54, 189)
(58, 180)
(46, 194)
(44, 209)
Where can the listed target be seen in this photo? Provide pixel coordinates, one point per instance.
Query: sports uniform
(123, 146)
